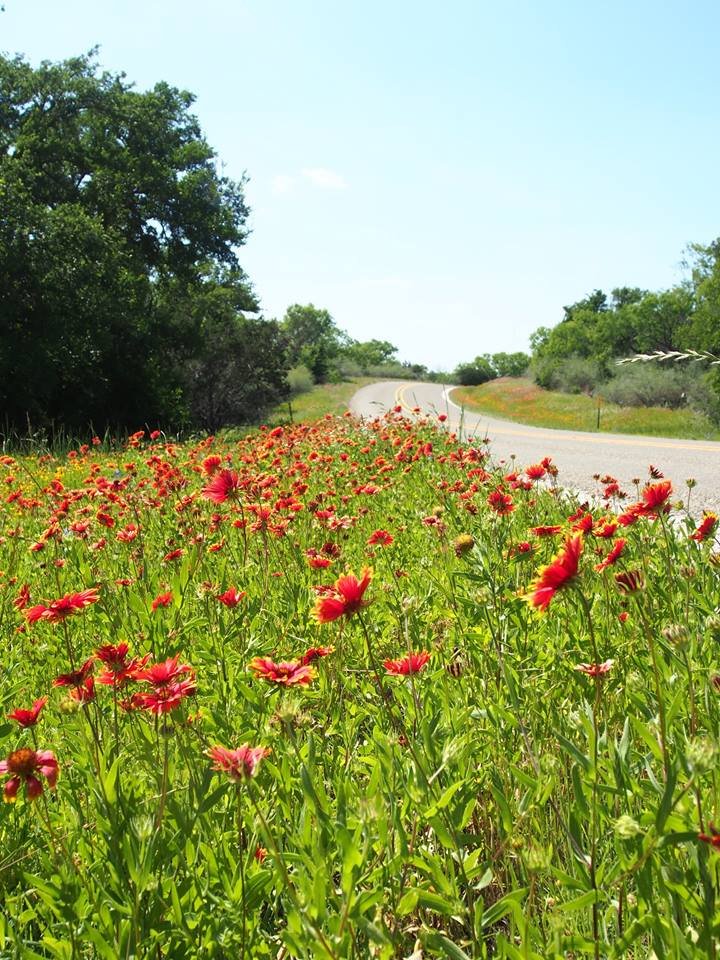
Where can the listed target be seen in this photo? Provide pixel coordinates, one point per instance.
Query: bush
(704, 394)
(571, 375)
(300, 380)
(649, 385)
(473, 374)
(348, 368)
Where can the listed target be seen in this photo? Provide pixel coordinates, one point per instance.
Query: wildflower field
(347, 691)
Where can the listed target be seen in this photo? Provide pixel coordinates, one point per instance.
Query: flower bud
(626, 828)
(463, 544)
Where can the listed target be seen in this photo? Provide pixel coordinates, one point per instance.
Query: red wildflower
(535, 471)
(556, 574)
(500, 502)
(128, 533)
(315, 653)
(75, 678)
(239, 764)
(173, 555)
(23, 766)
(654, 496)
(231, 597)
(605, 529)
(84, 692)
(225, 484)
(165, 697)
(316, 561)
(344, 598)
(630, 581)
(381, 538)
(287, 673)
(58, 610)
(211, 464)
(28, 718)
(713, 838)
(162, 600)
(23, 598)
(412, 663)
(583, 524)
(595, 669)
(118, 669)
(545, 531)
(630, 516)
(707, 526)
(165, 673)
(613, 556)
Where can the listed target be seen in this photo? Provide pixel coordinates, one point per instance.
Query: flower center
(22, 762)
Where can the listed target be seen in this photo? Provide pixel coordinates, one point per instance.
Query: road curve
(578, 455)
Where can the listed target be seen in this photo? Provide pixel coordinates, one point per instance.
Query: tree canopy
(118, 251)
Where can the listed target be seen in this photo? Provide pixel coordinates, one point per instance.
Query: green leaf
(438, 941)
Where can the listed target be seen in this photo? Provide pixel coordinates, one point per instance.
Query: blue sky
(442, 176)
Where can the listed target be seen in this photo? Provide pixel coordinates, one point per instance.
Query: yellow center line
(535, 433)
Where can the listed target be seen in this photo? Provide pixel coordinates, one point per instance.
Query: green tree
(703, 332)
(595, 302)
(313, 339)
(471, 374)
(508, 364)
(371, 353)
(111, 199)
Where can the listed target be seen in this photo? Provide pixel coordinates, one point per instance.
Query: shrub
(649, 385)
(300, 380)
(704, 394)
(473, 374)
(571, 375)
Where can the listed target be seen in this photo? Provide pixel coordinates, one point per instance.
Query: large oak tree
(116, 229)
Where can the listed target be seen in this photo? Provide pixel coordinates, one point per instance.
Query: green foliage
(508, 364)
(472, 374)
(489, 366)
(313, 339)
(649, 385)
(703, 331)
(117, 233)
(371, 353)
(574, 374)
(300, 380)
(597, 331)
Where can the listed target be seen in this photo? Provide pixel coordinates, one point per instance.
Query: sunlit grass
(322, 399)
(523, 401)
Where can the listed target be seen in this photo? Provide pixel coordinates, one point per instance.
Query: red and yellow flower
(557, 574)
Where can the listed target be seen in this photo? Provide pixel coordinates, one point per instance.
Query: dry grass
(523, 401)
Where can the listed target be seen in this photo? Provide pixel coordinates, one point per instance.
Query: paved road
(577, 455)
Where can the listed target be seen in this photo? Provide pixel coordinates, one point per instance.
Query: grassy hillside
(521, 400)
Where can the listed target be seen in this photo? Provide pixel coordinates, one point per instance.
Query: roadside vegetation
(318, 400)
(581, 363)
(254, 694)
(523, 401)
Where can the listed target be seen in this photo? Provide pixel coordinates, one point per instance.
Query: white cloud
(322, 177)
(282, 183)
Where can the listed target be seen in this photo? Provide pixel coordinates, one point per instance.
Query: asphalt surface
(578, 456)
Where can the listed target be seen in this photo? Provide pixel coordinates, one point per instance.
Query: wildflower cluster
(349, 689)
